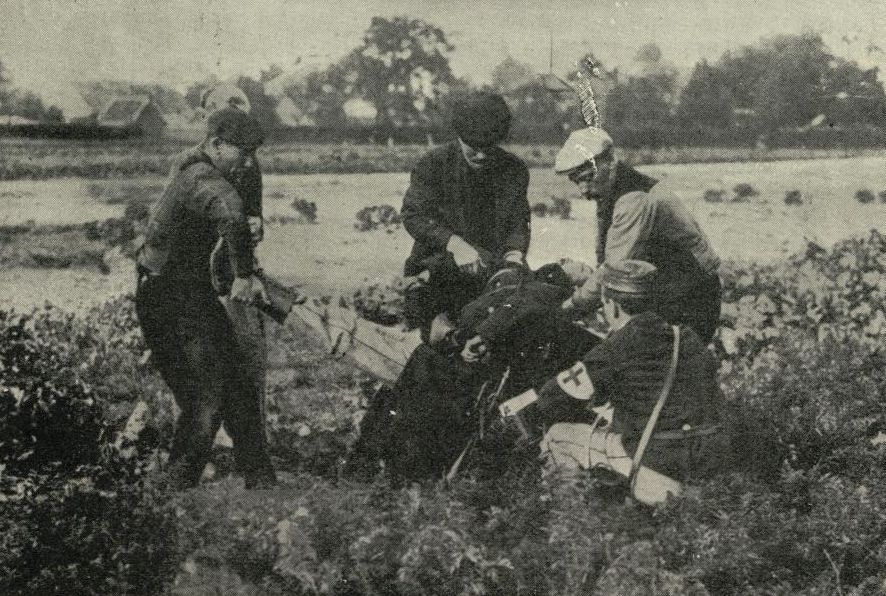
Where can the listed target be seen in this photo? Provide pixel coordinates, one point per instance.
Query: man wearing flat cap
(466, 208)
(627, 373)
(184, 324)
(638, 220)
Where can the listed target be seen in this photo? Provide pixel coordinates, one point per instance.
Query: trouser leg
(158, 313)
(249, 329)
(233, 380)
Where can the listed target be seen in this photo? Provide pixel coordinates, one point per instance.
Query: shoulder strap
(656, 411)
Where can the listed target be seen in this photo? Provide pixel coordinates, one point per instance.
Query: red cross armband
(576, 383)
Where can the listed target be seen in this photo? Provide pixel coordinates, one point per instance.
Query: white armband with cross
(573, 381)
(576, 383)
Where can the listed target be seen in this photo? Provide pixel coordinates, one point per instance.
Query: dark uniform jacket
(487, 208)
(628, 370)
(198, 206)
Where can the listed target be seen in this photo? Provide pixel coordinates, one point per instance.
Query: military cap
(629, 277)
(222, 96)
(481, 119)
(582, 145)
(235, 127)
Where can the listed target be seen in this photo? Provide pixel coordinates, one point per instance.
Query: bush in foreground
(76, 515)
(804, 512)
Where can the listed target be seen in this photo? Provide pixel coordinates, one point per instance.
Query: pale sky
(46, 45)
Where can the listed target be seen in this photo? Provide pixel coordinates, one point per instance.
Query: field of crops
(804, 325)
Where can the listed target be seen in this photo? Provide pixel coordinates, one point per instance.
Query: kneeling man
(646, 395)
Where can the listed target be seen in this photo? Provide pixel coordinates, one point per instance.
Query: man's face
(229, 158)
(477, 157)
(593, 183)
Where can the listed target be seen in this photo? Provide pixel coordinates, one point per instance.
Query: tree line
(786, 86)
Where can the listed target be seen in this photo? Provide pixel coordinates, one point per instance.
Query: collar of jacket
(625, 180)
(459, 165)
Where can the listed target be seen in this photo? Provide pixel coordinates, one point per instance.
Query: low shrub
(864, 196)
(76, 515)
(793, 197)
(381, 303)
(712, 195)
(306, 209)
(882, 196)
(376, 217)
(557, 207)
(744, 191)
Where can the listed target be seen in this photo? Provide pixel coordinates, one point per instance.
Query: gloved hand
(466, 256)
(475, 348)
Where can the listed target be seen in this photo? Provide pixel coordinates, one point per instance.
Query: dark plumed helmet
(481, 119)
(235, 127)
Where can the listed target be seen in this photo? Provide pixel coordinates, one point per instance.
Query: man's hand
(466, 256)
(587, 297)
(247, 289)
(475, 348)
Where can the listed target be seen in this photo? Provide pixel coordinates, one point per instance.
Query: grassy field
(331, 256)
(41, 159)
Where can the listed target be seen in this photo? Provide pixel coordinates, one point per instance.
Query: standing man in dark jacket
(190, 336)
(466, 208)
(638, 220)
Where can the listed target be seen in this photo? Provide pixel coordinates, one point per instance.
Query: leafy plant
(793, 197)
(864, 196)
(306, 209)
(744, 191)
(377, 216)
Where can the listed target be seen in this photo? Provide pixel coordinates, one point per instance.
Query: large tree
(321, 94)
(263, 107)
(646, 97)
(785, 81)
(18, 102)
(402, 67)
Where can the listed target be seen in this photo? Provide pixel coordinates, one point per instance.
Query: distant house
(11, 120)
(134, 111)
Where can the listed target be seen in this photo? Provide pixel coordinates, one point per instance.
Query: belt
(687, 432)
